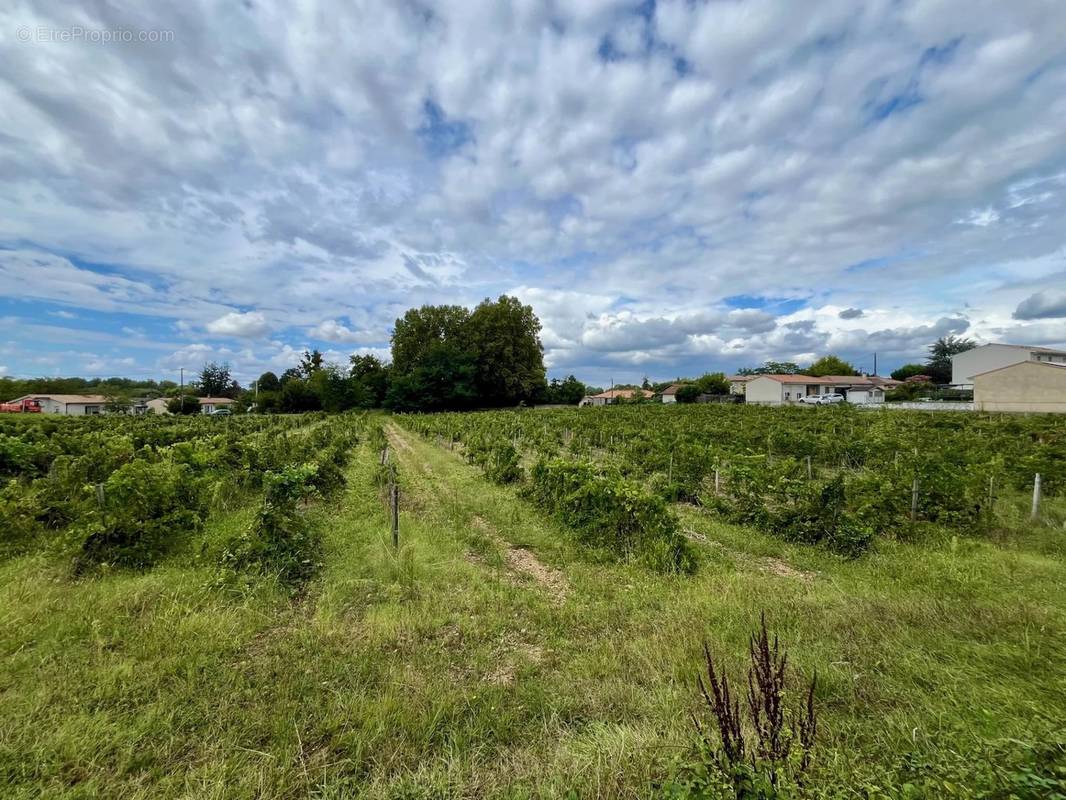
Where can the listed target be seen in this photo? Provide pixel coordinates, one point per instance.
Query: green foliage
(143, 508)
(938, 364)
(216, 380)
(268, 382)
(773, 368)
(830, 365)
(504, 337)
(421, 329)
(281, 542)
(184, 404)
(298, 395)
(445, 378)
(611, 513)
(687, 393)
(909, 371)
(568, 391)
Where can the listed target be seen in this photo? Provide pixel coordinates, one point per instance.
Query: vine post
(914, 500)
(1036, 498)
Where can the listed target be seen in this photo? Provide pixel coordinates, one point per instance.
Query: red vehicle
(26, 406)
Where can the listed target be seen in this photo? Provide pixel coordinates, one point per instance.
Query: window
(92, 410)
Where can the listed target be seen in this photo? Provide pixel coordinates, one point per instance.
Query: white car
(811, 399)
(831, 399)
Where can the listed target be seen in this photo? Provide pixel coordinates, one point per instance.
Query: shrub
(611, 513)
(281, 541)
(146, 506)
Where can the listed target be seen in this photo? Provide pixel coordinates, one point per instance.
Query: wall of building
(83, 409)
(1028, 387)
(763, 390)
(966, 365)
(49, 406)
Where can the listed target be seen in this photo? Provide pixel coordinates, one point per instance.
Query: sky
(676, 187)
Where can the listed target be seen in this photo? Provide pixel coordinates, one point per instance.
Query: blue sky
(676, 187)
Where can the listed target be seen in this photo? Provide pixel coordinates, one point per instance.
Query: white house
(782, 389)
(737, 383)
(612, 396)
(987, 357)
(1027, 386)
(670, 392)
(70, 404)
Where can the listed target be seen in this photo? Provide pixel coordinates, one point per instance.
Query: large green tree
(444, 379)
(370, 378)
(568, 391)
(909, 371)
(216, 380)
(504, 337)
(420, 329)
(830, 365)
(268, 382)
(938, 364)
(772, 368)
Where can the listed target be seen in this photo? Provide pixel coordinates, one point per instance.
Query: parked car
(831, 399)
(221, 412)
(811, 400)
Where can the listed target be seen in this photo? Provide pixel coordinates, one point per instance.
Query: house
(70, 404)
(1027, 386)
(781, 389)
(208, 405)
(613, 396)
(988, 357)
(669, 394)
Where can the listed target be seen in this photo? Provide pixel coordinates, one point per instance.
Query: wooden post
(808, 467)
(670, 472)
(1036, 497)
(100, 497)
(991, 497)
(717, 483)
(914, 500)
(394, 499)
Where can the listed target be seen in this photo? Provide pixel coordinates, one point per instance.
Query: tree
(215, 379)
(444, 379)
(310, 363)
(268, 382)
(713, 383)
(938, 364)
(772, 368)
(420, 329)
(908, 371)
(116, 403)
(184, 404)
(688, 393)
(297, 396)
(371, 379)
(830, 365)
(332, 387)
(568, 391)
(504, 337)
(291, 374)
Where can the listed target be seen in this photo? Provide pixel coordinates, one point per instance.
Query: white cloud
(236, 323)
(629, 174)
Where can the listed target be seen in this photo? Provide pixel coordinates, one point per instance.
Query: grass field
(490, 657)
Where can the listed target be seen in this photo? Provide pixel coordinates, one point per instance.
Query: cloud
(628, 167)
(331, 330)
(1046, 304)
(850, 313)
(250, 324)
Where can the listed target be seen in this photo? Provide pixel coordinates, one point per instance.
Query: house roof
(65, 398)
(672, 388)
(740, 378)
(611, 394)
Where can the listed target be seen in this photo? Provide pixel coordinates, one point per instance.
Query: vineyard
(838, 476)
(518, 603)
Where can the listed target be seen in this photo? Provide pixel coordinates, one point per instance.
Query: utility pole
(875, 363)
(181, 391)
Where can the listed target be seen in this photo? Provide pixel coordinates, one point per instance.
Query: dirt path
(520, 562)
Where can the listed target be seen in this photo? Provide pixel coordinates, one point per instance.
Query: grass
(455, 669)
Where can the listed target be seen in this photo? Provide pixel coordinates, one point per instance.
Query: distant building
(1027, 386)
(782, 389)
(75, 405)
(669, 394)
(612, 396)
(987, 357)
(208, 405)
